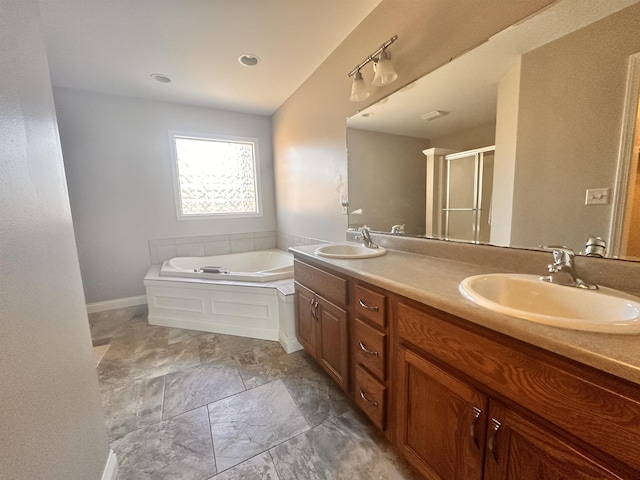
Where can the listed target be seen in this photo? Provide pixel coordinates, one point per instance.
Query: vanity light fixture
(433, 115)
(382, 66)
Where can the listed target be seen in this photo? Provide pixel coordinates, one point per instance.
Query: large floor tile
(200, 385)
(251, 422)
(179, 448)
(259, 467)
(260, 433)
(317, 396)
(343, 448)
(216, 346)
(269, 362)
(133, 406)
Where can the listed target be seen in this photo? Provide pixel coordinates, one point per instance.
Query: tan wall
(391, 180)
(309, 128)
(469, 139)
(567, 137)
(52, 424)
(505, 157)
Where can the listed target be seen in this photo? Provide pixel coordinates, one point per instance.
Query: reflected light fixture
(382, 66)
(433, 115)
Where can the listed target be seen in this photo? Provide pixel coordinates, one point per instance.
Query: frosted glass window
(215, 176)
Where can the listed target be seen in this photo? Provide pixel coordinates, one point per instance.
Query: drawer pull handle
(364, 305)
(366, 350)
(493, 434)
(314, 307)
(370, 402)
(474, 435)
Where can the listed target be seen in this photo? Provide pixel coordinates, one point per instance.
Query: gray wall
(567, 136)
(309, 128)
(52, 424)
(390, 186)
(116, 152)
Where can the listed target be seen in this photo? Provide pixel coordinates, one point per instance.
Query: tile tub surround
(189, 405)
(434, 281)
(162, 249)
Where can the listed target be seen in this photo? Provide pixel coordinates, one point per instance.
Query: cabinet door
(441, 420)
(306, 310)
(333, 341)
(519, 449)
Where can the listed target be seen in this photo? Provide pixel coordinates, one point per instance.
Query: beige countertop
(434, 282)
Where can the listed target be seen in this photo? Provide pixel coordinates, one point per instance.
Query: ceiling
(113, 46)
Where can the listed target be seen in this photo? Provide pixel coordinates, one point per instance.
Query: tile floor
(188, 405)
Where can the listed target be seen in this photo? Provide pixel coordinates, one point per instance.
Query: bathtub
(259, 266)
(255, 299)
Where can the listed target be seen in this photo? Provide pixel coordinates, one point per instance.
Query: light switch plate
(597, 196)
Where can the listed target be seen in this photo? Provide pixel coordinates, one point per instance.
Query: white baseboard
(116, 303)
(289, 345)
(110, 471)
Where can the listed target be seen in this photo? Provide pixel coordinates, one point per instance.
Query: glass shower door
(468, 183)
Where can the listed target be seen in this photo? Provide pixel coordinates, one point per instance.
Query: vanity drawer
(370, 348)
(370, 396)
(329, 286)
(370, 305)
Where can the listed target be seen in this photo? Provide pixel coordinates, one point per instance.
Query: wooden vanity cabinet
(442, 420)
(460, 401)
(322, 320)
(520, 448)
(472, 407)
(369, 344)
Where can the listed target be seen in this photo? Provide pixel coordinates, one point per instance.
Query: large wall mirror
(529, 139)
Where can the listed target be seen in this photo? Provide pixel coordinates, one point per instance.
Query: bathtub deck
(263, 310)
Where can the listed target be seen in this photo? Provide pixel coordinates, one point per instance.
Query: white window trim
(176, 179)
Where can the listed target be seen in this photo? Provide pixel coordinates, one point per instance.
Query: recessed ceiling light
(368, 115)
(249, 60)
(159, 77)
(433, 115)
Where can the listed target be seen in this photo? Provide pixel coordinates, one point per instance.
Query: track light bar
(374, 56)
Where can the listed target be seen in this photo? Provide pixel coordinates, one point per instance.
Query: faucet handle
(561, 253)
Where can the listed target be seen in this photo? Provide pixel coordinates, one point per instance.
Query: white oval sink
(525, 296)
(348, 250)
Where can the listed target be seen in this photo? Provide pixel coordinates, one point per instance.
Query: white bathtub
(258, 302)
(259, 266)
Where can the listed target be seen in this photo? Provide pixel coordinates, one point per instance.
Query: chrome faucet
(396, 229)
(365, 236)
(563, 270)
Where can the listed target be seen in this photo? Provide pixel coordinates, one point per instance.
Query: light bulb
(358, 89)
(385, 73)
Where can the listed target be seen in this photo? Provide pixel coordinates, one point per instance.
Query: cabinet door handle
(371, 402)
(366, 350)
(474, 435)
(314, 307)
(493, 435)
(364, 305)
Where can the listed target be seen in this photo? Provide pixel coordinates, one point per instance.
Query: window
(215, 176)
